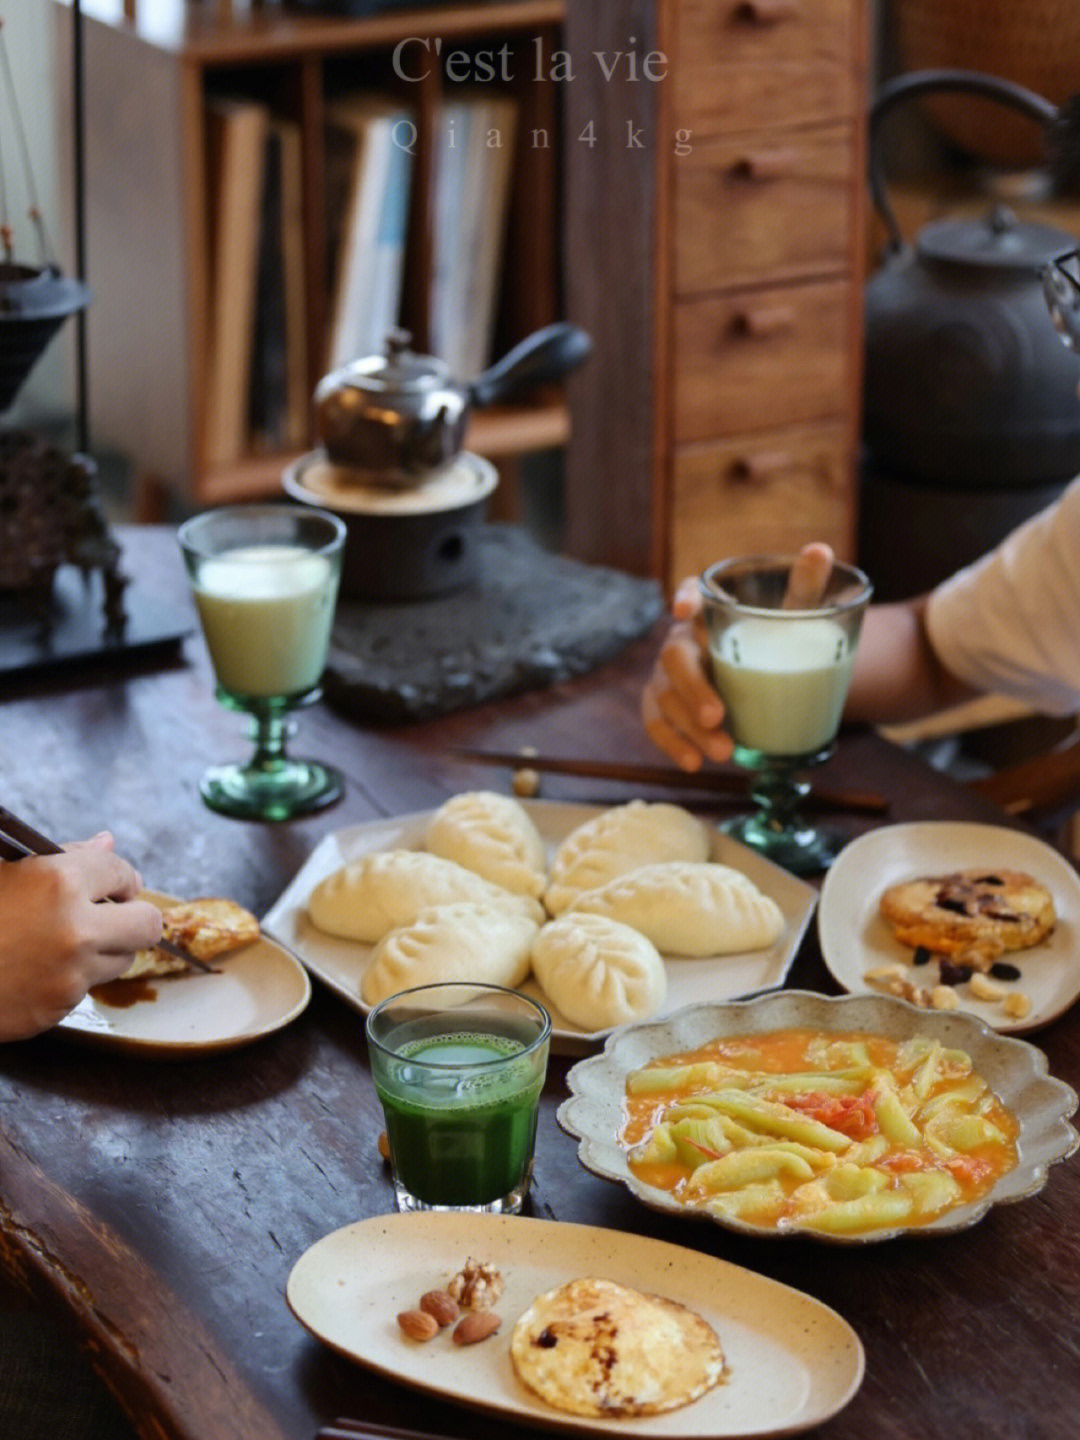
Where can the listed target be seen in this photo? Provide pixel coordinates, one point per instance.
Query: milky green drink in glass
(266, 612)
(264, 579)
(784, 687)
(783, 652)
(459, 1070)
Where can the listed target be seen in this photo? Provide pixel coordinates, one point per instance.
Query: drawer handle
(761, 323)
(766, 12)
(760, 468)
(765, 165)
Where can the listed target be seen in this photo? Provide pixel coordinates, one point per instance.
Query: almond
(443, 1308)
(418, 1324)
(476, 1326)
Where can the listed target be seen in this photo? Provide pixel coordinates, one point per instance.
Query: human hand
(681, 711)
(56, 940)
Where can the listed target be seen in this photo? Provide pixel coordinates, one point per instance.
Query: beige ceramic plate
(255, 992)
(792, 1361)
(340, 963)
(854, 938)
(1015, 1070)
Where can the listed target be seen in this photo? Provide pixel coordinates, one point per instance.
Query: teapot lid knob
(1001, 220)
(397, 342)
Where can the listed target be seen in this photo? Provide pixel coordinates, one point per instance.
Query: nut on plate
(441, 1306)
(475, 1326)
(477, 1285)
(418, 1324)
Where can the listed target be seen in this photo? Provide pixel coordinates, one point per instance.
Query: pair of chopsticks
(345, 1429)
(719, 784)
(18, 840)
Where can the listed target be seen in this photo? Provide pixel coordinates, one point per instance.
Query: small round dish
(1014, 1069)
(855, 938)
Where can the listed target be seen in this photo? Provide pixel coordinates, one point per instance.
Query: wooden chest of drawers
(742, 434)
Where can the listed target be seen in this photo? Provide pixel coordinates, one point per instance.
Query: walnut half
(476, 1286)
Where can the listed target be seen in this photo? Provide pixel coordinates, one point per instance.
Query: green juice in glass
(460, 1092)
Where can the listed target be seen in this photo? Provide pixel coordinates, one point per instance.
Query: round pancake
(594, 1347)
(990, 909)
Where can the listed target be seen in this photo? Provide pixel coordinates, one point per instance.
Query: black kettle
(966, 382)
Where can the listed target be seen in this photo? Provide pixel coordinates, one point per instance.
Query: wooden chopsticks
(345, 1429)
(18, 840)
(721, 784)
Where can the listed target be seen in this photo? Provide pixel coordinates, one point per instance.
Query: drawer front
(771, 492)
(762, 358)
(761, 207)
(764, 62)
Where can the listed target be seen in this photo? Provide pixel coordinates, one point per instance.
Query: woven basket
(1035, 43)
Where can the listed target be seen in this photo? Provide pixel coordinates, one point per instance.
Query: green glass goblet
(265, 580)
(783, 674)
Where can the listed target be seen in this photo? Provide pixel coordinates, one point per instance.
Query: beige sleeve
(1010, 623)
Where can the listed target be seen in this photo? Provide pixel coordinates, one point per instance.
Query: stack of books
(370, 147)
(257, 396)
(474, 156)
(259, 386)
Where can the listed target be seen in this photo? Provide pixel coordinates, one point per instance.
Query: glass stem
(269, 730)
(779, 795)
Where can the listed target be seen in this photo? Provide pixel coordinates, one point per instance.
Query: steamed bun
(376, 893)
(689, 908)
(461, 941)
(597, 971)
(618, 840)
(495, 836)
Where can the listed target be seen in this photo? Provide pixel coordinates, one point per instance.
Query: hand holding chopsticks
(19, 839)
(57, 940)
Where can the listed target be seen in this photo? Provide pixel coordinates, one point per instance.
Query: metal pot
(397, 418)
(966, 383)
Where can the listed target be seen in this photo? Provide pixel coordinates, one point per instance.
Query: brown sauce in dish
(122, 994)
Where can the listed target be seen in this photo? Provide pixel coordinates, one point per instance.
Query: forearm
(897, 675)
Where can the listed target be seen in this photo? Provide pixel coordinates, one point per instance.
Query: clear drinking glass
(783, 675)
(265, 580)
(459, 1070)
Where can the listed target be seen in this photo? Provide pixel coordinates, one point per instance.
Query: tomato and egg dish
(837, 1133)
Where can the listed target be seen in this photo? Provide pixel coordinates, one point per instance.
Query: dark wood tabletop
(160, 1206)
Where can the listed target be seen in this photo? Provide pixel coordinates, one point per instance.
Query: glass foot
(278, 791)
(509, 1204)
(802, 849)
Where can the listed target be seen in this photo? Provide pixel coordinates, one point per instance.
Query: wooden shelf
(149, 327)
(214, 33)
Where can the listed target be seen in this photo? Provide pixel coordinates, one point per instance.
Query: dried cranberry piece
(953, 973)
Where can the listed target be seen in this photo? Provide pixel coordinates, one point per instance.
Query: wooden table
(161, 1206)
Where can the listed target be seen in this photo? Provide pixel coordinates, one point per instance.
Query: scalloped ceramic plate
(854, 938)
(1014, 1069)
(340, 964)
(791, 1361)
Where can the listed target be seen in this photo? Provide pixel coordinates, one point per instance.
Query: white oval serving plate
(791, 1362)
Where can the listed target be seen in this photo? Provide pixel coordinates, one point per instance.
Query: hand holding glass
(265, 581)
(783, 674)
(459, 1070)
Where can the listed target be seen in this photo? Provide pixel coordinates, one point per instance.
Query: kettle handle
(544, 355)
(920, 82)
